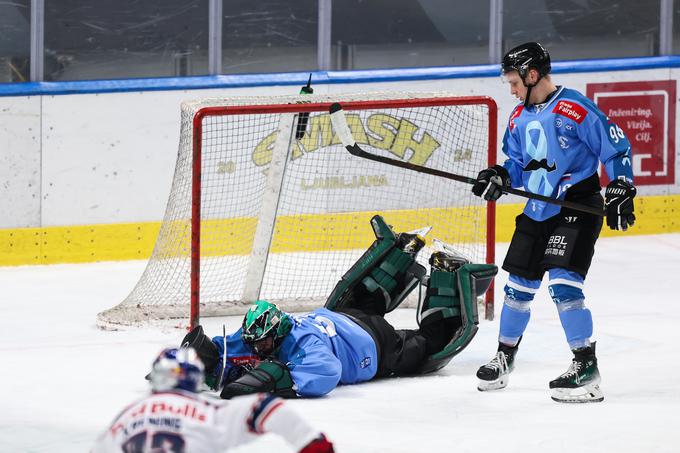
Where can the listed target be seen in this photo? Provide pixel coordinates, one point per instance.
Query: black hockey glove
(618, 202)
(269, 376)
(490, 183)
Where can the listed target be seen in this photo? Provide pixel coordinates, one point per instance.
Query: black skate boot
(580, 383)
(495, 374)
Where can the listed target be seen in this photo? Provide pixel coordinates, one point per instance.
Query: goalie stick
(342, 129)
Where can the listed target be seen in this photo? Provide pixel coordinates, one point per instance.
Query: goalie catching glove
(490, 183)
(619, 204)
(270, 376)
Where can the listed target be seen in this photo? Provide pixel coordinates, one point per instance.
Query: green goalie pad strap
(386, 273)
(386, 241)
(442, 299)
(472, 281)
(409, 281)
(395, 277)
(270, 376)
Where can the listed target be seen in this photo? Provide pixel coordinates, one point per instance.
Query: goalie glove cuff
(270, 376)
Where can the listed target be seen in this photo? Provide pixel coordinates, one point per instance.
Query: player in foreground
(555, 141)
(349, 341)
(175, 418)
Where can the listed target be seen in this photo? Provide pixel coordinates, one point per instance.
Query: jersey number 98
(616, 133)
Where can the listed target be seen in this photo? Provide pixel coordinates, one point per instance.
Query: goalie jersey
(186, 422)
(323, 349)
(553, 146)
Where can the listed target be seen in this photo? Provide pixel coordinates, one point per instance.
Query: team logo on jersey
(537, 165)
(564, 143)
(515, 115)
(571, 110)
(537, 149)
(558, 122)
(366, 362)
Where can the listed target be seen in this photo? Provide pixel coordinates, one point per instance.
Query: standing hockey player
(349, 341)
(174, 418)
(554, 141)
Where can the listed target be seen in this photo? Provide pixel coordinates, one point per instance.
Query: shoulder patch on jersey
(571, 110)
(260, 412)
(516, 113)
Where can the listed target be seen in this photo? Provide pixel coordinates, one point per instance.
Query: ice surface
(63, 380)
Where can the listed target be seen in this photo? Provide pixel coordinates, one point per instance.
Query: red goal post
(258, 211)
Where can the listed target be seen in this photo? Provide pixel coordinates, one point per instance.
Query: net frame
(134, 314)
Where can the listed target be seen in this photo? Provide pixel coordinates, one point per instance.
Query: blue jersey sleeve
(513, 150)
(238, 354)
(313, 367)
(608, 141)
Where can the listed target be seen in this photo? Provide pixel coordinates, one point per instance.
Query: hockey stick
(342, 129)
(224, 357)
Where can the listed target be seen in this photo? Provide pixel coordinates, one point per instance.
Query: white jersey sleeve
(184, 422)
(254, 415)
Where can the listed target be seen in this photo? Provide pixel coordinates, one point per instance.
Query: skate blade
(585, 394)
(500, 383)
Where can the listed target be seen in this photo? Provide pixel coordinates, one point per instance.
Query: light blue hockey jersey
(553, 146)
(323, 349)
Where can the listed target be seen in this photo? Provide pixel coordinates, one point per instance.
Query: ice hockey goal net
(259, 210)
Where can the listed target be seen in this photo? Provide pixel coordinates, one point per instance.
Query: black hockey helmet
(526, 56)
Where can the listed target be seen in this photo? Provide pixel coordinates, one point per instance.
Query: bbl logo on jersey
(557, 245)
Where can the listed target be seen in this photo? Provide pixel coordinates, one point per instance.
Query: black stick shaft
(340, 125)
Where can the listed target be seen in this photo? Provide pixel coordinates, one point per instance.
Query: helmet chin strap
(526, 98)
(529, 87)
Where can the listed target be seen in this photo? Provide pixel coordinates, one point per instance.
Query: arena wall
(86, 167)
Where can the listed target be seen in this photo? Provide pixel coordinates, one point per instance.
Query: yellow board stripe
(128, 241)
(77, 244)
(319, 232)
(345, 231)
(654, 215)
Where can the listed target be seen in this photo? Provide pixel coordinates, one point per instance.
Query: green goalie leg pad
(270, 376)
(442, 300)
(383, 271)
(463, 287)
(394, 278)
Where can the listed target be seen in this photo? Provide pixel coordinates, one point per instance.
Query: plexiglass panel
(403, 33)
(15, 41)
(581, 29)
(269, 36)
(100, 39)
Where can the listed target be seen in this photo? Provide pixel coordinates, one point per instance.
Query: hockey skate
(496, 374)
(580, 383)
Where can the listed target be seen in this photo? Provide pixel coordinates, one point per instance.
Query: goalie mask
(176, 369)
(265, 327)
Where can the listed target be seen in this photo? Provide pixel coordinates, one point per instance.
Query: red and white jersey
(180, 421)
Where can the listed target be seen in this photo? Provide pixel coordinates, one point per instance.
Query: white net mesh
(319, 198)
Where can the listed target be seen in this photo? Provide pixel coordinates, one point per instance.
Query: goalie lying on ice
(349, 341)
